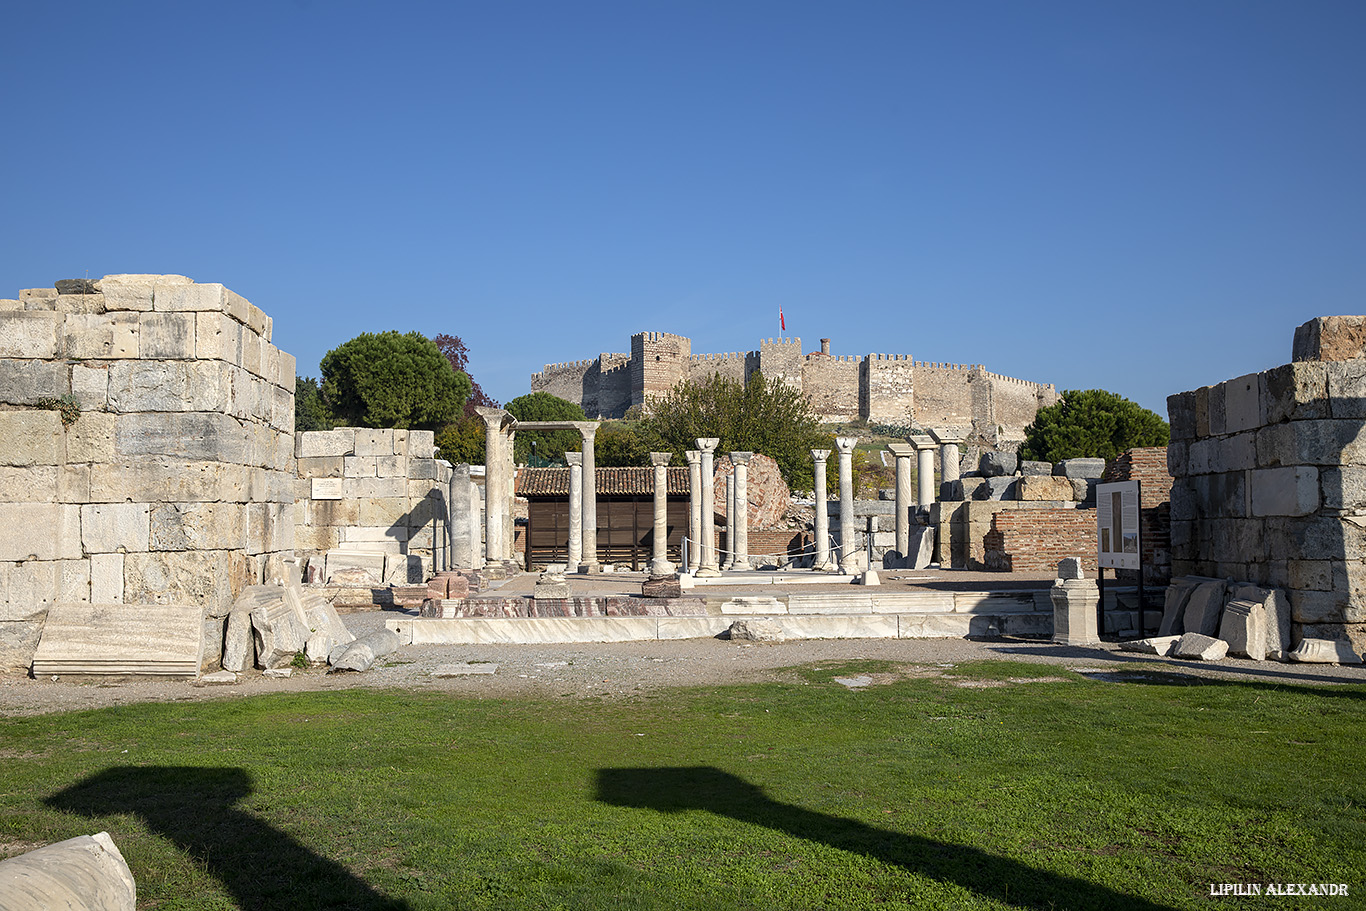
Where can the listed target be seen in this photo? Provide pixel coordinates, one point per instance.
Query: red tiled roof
(554, 482)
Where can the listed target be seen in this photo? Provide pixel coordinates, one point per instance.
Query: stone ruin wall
(659, 360)
(888, 389)
(1270, 480)
(372, 491)
(173, 485)
(733, 366)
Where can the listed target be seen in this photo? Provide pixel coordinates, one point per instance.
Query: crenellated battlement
(891, 387)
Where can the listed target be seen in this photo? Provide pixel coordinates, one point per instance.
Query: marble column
(575, 556)
(497, 473)
(903, 453)
(740, 559)
(948, 456)
(728, 558)
(659, 562)
(590, 498)
(708, 567)
(821, 508)
(847, 560)
(925, 471)
(462, 524)
(694, 509)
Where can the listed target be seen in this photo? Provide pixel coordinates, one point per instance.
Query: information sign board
(1117, 532)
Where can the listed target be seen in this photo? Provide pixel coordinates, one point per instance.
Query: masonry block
(91, 438)
(1330, 338)
(170, 294)
(30, 334)
(114, 527)
(129, 292)
(166, 335)
(31, 437)
(1296, 392)
(104, 335)
(1288, 491)
(26, 382)
(320, 443)
(168, 386)
(371, 442)
(1243, 403)
(198, 526)
(40, 531)
(207, 436)
(421, 444)
(217, 337)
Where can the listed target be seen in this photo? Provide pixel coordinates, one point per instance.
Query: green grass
(921, 793)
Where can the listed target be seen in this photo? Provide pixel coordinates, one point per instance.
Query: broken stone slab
(464, 669)
(278, 672)
(1203, 608)
(239, 651)
(218, 678)
(997, 464)
(1243, 627)
(550, 586)
(360, 655)
(76, 286)
(1036, 469)
(995, 488)
(279, 631)
(1174, 606)
(662, 587)
(84, 873)
(921, 548)
(756, 631)
(1070, 568)
(1079, 468)
(1325, 651)
(1158, 645)
(1277, 606)
(1200, 647)
(868, 577)
(855, 683)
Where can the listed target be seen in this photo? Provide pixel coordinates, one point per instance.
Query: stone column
(728, 558)
(821, 561)
(463, 531)
(694, 458)
(1075, 603)
(659, 562)
(948, 455)
(708, 567)
(925, 471)
(590, 498)
(903, 453)
(498, 472)
(846, 446)
(740, 559)
(575, 555)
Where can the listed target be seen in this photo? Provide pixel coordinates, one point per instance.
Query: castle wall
(832, 386)
(950, 396)
(881, 388)
(891, 392)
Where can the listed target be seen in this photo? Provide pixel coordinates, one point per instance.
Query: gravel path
(622, 669)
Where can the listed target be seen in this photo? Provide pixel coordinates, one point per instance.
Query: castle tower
(659, 361)
(781, 359)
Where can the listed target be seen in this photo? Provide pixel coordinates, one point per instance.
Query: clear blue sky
(1144, 197)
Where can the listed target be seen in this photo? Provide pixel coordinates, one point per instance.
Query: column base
(588, 569)
(662, 568)
(707, 572)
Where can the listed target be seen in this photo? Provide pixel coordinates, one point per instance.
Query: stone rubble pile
(270, 624)
(1207, 619)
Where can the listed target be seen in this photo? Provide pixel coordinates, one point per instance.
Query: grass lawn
(919, 793)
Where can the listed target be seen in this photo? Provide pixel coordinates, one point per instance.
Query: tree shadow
(264, 868)
(671, 790)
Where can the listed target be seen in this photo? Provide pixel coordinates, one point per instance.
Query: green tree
(1091, 423)
(550, 444)
(462, 441)
(760, 415)
(619, 446)
(392, 379)
(309, 411)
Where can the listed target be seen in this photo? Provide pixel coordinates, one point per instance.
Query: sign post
(1118, 537)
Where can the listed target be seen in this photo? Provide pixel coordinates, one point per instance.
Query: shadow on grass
(670, 790)
(261, 866)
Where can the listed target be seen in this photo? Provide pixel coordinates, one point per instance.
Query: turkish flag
(782, 324)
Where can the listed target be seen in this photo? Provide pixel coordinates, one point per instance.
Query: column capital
(846, 444)
(741, 458)
(693, 456)
(573, 459)
(944, 437)
(901, 450)
(923, 443)
(707, 445)
(586, 429)
(820, 455)
(660, 459)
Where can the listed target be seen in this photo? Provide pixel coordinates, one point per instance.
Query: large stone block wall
(173, 484)
(890, 382)
(1270, 479)
(659, 360)
(944, 397)
(369, 490)
(832, 386)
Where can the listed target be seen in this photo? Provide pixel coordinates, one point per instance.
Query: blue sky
(1144, 197)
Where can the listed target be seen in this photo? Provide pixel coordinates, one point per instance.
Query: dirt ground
(619, 669)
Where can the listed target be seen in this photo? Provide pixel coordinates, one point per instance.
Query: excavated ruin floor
(625, 669)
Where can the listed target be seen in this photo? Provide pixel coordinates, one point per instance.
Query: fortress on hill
(883, 388)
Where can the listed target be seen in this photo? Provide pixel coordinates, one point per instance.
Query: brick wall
(1148, 466)
(1032, 540)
